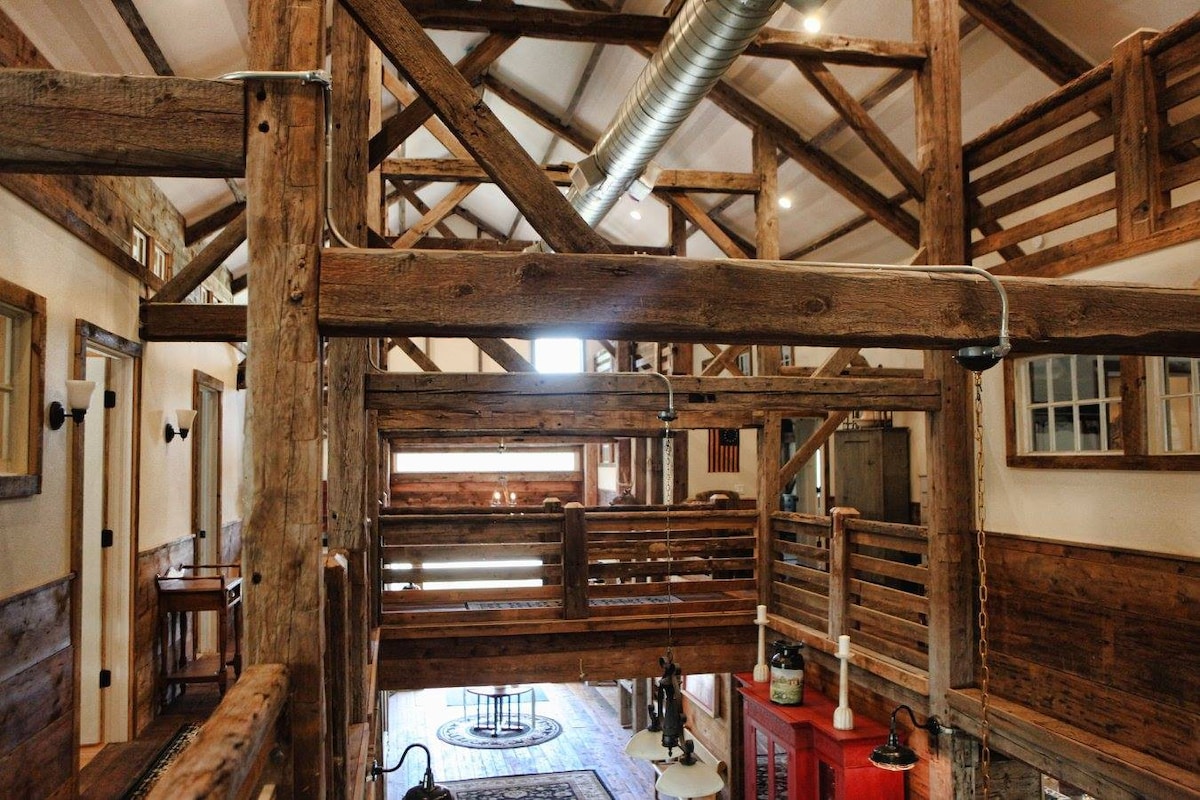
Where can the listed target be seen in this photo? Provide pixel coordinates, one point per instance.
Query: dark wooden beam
(695, 214)
(141, 34)
(212, 223)
(503, 354)
(76, 123)
(517, 245)
(649, 298)
(581, 139)
(433, 216)
(193, 322)
(205, 263)
(1029, 38)
(409, 347)
(648, 31)
(401, 38)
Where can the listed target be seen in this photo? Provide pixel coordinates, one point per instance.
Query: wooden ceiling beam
(403, 124)
(503, 354)
(695, 214)
(602, 27)
(410, 194)
(517, 245)
(419, 357)
(210, 224)
(654, 298)
(401, 38)
(63, 123)
(458, 169)
(442, 209)
(1029, 38)
(579, 138)
(141, 34)
(193, 322)
(406, 96)
(205, 263)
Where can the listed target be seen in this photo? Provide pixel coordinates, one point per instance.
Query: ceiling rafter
(1029, 38)
(410, 194)
(434, 215)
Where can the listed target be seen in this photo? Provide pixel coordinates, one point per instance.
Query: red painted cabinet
(798, 754)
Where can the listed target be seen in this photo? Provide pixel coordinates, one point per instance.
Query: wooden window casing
(22, 385)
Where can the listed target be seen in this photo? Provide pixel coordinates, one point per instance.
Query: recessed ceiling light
(635, 214)
(785, 202)
(812, 23)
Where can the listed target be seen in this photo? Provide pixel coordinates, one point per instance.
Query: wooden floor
(592, 739)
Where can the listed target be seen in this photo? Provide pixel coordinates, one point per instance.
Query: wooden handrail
(229, 756)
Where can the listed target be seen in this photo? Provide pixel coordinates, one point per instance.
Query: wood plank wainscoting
(37, 719)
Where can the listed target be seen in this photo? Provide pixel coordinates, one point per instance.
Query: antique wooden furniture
(208, 587)
(494, 708)
(805, 753)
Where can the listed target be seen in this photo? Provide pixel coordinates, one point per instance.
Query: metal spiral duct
(701, 44)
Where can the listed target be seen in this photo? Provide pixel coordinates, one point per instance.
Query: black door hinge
(106, 538)
(110, 398)
(201, 534)
(105, 678)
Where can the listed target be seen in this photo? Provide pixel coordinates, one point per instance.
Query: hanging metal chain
(985, 766)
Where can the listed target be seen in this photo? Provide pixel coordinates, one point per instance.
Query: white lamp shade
(79, 394)
(184, 417)
(646, 745)
(690, 780)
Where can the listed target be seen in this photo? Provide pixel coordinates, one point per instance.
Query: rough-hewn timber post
(949, 443)
(770, 442)
(282, 546)
(355, 97)
(766, 227)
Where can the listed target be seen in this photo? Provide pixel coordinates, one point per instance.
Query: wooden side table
(182, 596)
(821, 762)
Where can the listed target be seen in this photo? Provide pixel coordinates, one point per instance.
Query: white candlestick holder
(843, 717)
(762, 673)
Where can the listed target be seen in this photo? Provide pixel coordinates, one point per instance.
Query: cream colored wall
(745, 482)
(35, 536)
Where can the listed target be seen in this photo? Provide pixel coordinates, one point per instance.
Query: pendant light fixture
(664, 739)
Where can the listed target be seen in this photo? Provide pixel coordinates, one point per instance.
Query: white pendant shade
(79, 394)
(646, 745)
(184, 417)
(690, 780)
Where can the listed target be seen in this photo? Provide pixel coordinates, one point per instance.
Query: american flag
(724, 450)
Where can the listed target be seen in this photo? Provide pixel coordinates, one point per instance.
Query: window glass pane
(1037, 381)
(1113, 412)
(1041, 430)
(1087, 383)
(1112, 376)
(1180, 436)
(1177, 375)
(1064, 430)
(1060, 378)
(1089, 427)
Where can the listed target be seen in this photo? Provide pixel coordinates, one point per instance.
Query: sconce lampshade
(184, 417)
(696, 779)
(79, 394)
(893, 756)
(647, 745)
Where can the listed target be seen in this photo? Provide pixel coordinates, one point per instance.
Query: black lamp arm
(378, 769)
(932, 726)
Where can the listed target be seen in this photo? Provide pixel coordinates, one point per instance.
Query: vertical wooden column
(1140, 197)
(337, 670)
(770, 442)
(839, 572)
(682, 356)
(766, 228)
(575, 562)
(355, 96)
(284, 597)
(949, 431)
(624, 445)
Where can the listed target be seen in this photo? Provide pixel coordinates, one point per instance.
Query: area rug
(163, 759)
(458, 732)
(578, 785)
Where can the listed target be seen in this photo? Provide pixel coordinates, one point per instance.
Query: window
(513, 461)
(1178, 404)
(1072, 404)
(22, 342)
(558, 355)
(140, 246)
(161, 266)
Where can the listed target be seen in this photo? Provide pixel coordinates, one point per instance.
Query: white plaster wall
(745, 482)
(35, 536)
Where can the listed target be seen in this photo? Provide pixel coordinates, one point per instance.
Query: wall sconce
(79, 396)
(184, 417)
(895, 756)
(426, 789)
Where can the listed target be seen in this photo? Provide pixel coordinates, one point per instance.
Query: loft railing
(1104, 168)
(574, 563)
(841, 574)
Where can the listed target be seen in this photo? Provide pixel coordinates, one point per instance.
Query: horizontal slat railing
(840, 574)
(581, 563)
(1051, 191)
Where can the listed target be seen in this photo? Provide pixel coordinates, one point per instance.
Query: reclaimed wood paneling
(37, 684)
(1105, 640)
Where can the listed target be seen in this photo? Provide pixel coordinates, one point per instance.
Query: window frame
(29, 481)
(1136, 437)
(1156, 375)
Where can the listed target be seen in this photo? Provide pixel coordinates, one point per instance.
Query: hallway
(591, 739)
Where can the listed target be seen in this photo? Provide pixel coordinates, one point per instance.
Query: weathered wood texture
(501, 294)
(78, 123)
(1106, 640)
(193, 322)
(283, 595)
(229, 757)
(37, 681)
(188, 277)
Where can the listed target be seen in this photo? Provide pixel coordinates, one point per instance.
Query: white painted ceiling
(206, 38)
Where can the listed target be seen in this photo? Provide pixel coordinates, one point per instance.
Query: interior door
(91, 577)
(207, 476)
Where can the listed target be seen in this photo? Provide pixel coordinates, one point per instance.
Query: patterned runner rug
(176, 745)
(579, 785)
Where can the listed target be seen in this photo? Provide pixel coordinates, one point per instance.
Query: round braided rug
(458, 732)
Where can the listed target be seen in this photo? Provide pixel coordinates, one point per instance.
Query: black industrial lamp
(897, 757)
(426, 789)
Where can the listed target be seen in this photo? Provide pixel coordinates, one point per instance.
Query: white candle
(843, 650)
(761, 619)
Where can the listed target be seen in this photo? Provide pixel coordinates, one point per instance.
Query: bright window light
(510, 461)
(558, 355)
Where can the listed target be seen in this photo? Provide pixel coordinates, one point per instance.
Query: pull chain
(980, 540)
